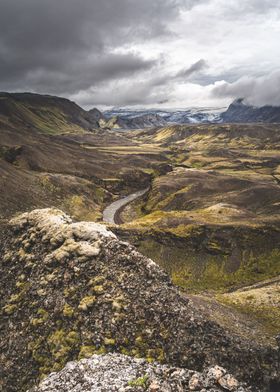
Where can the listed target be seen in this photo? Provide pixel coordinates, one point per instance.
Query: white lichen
(83, 239)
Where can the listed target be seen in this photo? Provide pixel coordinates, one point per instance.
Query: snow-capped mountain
(142, 118)
(239, 111)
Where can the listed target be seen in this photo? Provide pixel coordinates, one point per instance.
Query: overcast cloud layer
(165, 53)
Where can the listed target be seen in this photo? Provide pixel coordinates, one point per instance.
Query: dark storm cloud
(75, 75)
(70, 44)
(257, 91)
(184, 75)
(151, 90)
(124, 51)
(200, 65)
(123, 94)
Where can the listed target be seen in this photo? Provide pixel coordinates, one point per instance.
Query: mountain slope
(240, 112)
(43, 113)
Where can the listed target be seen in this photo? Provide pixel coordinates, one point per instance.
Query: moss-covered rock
(59, 318)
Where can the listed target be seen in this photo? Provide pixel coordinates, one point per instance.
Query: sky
(159, 53)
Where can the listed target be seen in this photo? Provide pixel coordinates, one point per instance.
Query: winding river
(111, 213)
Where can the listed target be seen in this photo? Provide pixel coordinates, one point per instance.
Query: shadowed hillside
(44, 113)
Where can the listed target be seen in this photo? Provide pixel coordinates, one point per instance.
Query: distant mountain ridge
(145, 120)
(237, 112)
(158, 117)
(240, 112)
(56, 115)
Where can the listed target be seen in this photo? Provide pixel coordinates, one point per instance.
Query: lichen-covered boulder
(115, 372)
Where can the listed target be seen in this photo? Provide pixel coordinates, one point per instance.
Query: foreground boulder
(115, 372)
(70, 290)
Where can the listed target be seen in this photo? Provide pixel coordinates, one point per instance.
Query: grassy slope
(46, 114)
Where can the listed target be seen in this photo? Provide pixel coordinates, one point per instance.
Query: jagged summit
(239, 101)
(96, 114)
(71, 290)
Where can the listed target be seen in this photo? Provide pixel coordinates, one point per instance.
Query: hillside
(220, 203)
(73, 289)
(44, 113)
(78, 172)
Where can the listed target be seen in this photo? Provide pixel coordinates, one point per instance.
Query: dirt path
(111, 214)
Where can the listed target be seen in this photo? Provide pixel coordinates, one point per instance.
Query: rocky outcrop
(145, 121)
(95, 115)
(115, 372)
(112, 123)
(70, 290)
(240, 112)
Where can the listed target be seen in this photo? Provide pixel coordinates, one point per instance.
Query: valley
(139, 196)
(201, 200)
(212, 222)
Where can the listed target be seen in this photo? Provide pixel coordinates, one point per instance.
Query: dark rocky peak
(95, 114)
(239, 111)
